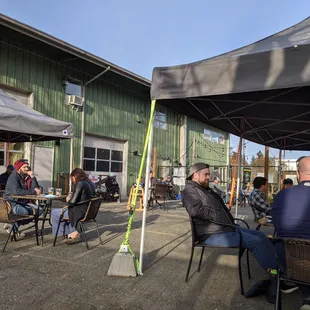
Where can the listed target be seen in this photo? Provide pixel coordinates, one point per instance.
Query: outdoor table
(46, 203)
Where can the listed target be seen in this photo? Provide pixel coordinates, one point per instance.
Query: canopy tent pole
(71, 163)
(146, 197)
(280, 170)
(266, 169)
(238, 174)
(233, 181)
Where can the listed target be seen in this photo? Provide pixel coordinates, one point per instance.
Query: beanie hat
(19, 163)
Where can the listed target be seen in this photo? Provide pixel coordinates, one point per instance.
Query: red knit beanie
(19, 163)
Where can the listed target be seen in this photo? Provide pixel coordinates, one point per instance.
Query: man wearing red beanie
(16, 186)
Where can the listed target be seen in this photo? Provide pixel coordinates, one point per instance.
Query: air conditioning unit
(74, 100)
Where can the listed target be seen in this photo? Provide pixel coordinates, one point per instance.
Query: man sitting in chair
(291, 213)
(258, 200)
(210, 216)
(17, 186)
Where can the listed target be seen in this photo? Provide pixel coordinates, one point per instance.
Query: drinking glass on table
(50, 190)
(58, 192)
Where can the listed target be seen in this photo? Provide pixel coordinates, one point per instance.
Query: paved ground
(70, 277)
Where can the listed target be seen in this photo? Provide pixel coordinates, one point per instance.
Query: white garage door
(104, 156)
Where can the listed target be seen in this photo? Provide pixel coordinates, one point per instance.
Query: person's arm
(76, 195)
(14, 187)
(195, 208)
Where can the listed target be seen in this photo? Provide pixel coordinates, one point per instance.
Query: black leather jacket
(83, 192)
(203, 205)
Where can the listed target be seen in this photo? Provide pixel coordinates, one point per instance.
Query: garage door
(104, 156)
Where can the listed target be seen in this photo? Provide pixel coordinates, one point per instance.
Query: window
(207, 134)
(74, 89)
(2, 150)
(102, 160)
(16, 151)
(213, 136)
(160, 119)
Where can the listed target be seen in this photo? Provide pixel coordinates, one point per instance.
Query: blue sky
(141, 34)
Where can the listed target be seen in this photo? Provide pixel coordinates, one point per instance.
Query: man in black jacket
(211, 219)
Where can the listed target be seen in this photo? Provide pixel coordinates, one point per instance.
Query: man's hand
(68, 197)
(30, 173)
(37, 191)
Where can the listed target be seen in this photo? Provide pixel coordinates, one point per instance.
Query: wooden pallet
(139, 198)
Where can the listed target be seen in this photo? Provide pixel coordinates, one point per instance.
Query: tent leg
(280, 170)
(238, 176)
(145, 198)
(71, 163)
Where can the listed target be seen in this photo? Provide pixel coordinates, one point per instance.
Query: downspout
(83, 112)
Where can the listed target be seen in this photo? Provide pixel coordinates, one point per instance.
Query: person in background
(215, 185)
(17, 186)
(257, 198)
(287, 183)
(173, 189)
(83, 192)
(5, 175)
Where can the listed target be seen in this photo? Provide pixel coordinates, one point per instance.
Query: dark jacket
(203, 205)
(83, 192)
(16, 185)
(291, 212)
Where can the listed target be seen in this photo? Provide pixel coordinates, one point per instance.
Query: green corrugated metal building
(52, 76)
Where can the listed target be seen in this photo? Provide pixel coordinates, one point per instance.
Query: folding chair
(197, 244)
(90, 215)
(7, 216)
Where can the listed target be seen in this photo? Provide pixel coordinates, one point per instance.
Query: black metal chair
(294, 266)
(7, 216)
(197, 244)
(261, 223)
(90, 215)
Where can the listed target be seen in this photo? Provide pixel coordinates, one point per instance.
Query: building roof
(34, 40)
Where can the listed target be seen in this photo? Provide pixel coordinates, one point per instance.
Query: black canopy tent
(266, 84)
(19, 123)
(260, 92)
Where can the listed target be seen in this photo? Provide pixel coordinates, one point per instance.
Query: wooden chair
(197, 244)
(7, 216)
(295, 265)
(90, 215)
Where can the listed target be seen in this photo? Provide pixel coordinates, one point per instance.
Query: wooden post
(154, 161)
(266, 169)
(233, 182)
(194, 151)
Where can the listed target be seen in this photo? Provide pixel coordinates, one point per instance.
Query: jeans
(255, 241)
(25, 209)
(65, 228)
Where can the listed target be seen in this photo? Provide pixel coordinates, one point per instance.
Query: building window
(160, 118)
(73, 89)
(16, 151)
(102, 160)
(213, 136)
(2, 152)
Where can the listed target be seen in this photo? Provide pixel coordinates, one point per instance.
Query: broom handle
(135, 195)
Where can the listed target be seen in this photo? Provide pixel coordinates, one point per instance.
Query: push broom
(124, 262)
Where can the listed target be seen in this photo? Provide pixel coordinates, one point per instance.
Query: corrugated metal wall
(110, 111)
(43, 78)
(114, 113)
(214, 154)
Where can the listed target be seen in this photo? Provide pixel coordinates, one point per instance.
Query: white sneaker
(7, 227)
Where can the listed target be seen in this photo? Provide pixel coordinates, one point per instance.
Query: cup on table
(58, 191)
(50, 190)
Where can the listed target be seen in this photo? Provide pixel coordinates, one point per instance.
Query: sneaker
(7, 228)
(288, 287)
